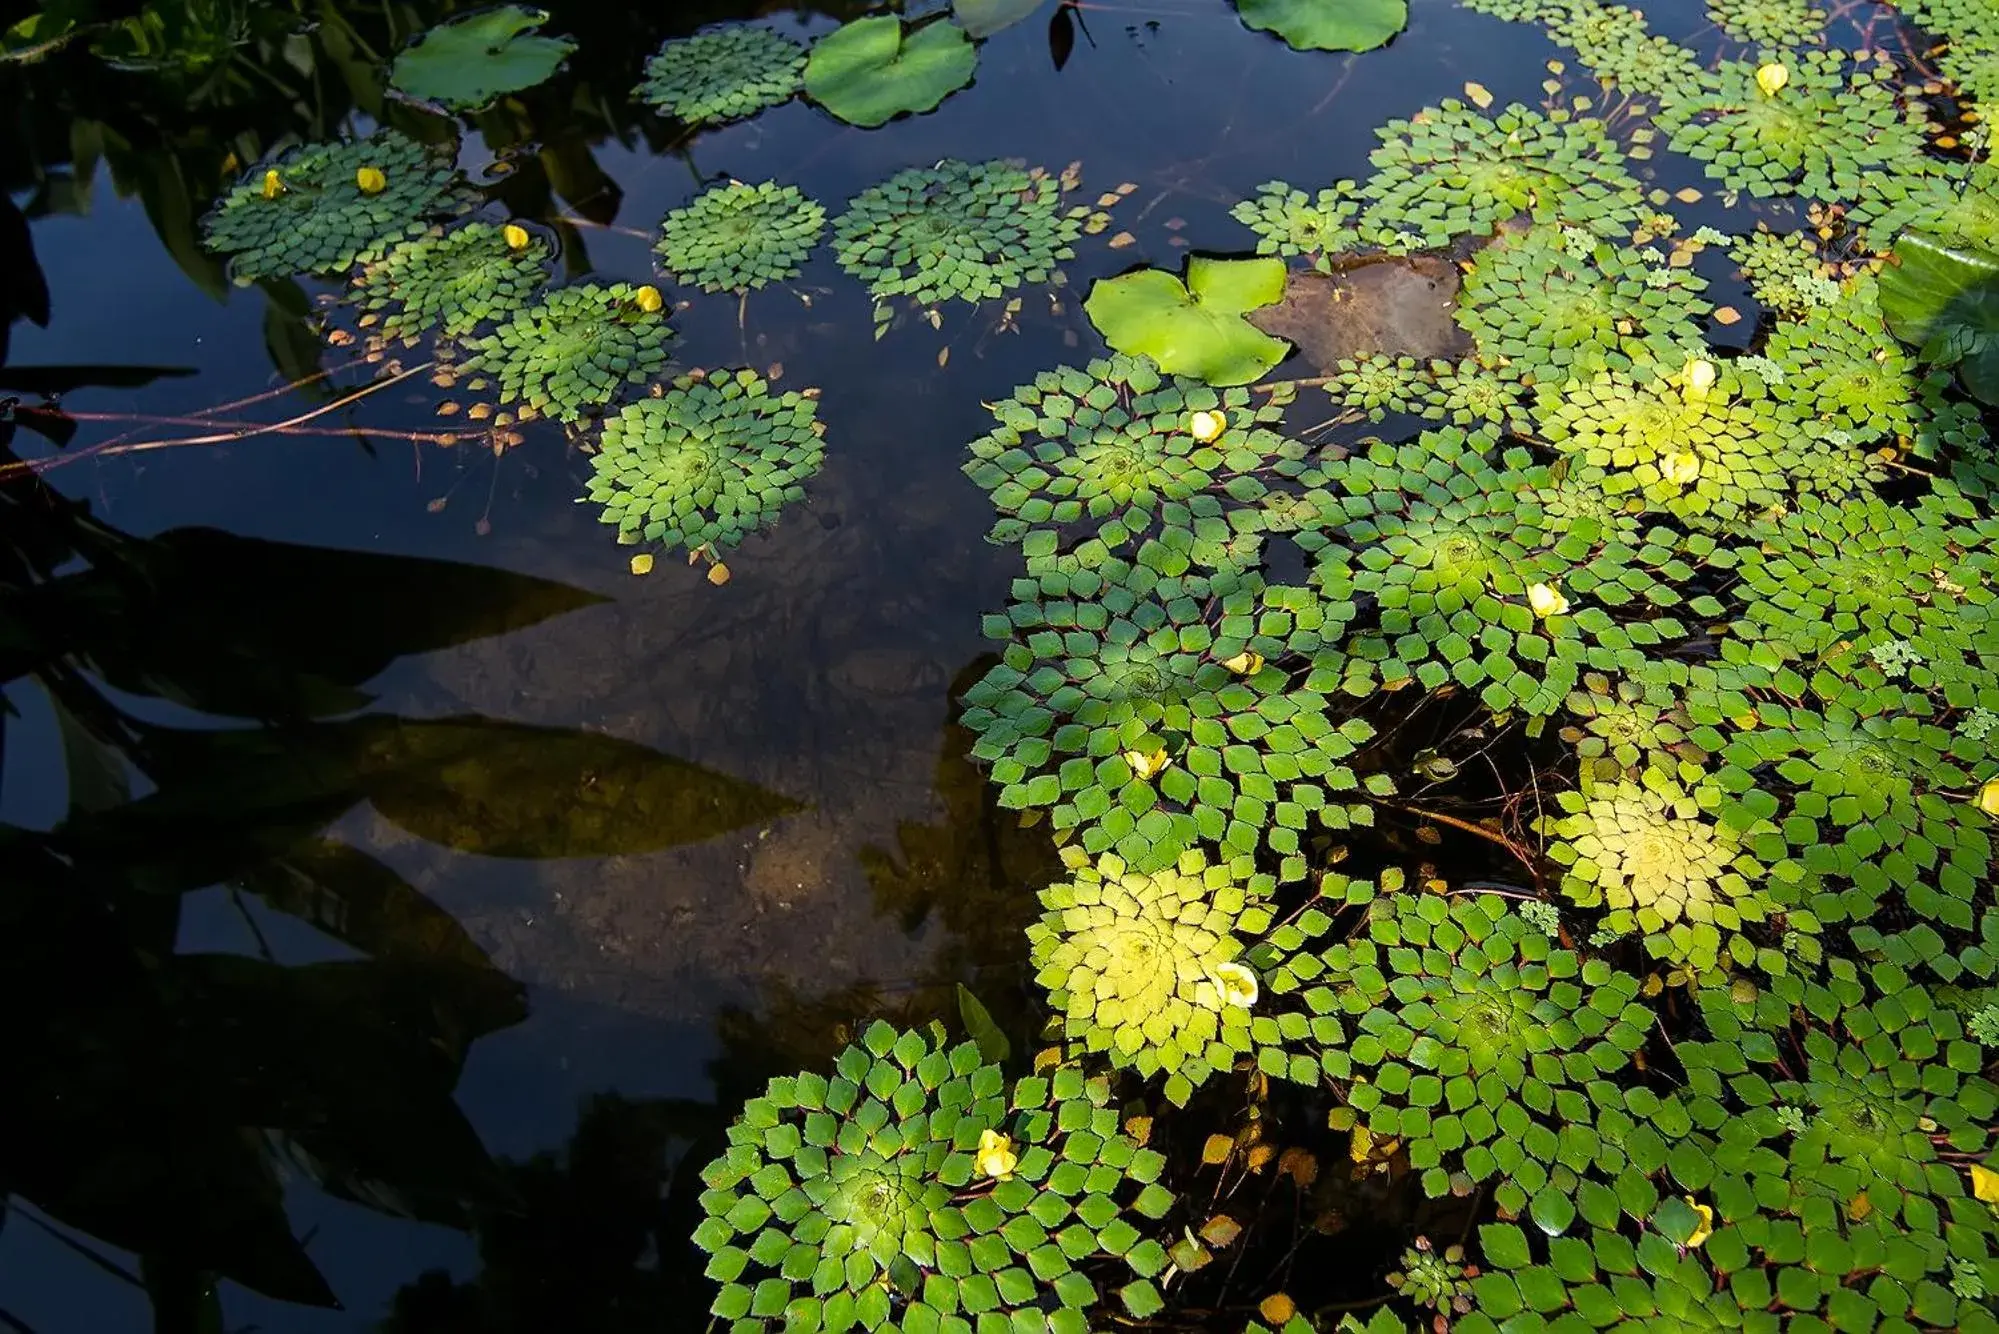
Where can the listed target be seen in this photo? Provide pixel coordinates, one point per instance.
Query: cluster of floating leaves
(1786, 274)
(453, 281)
(740, 237)
(732, 71)
(961, 230)
(572, 353)
(320, 208)
(1456, 171)
(707, 462)
(1769, 23)
(916, 1179)
(1288, 221)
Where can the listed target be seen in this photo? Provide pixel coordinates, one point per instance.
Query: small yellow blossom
(1988, 797)
(1681, 468)
(1705, 1229)
(371, 181)
(648, 299)
(517, 236)
(1237, 982)
(1984, 1184)
(1144, 765)
(1700, 377)
(1245, 663)
(1546, 600)
(995, 1158)
(1771, 78)
(1205, 426)
(273, 185)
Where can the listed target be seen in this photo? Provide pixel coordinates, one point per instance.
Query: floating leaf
(1195, 328)
(871, 70)
(1315, 25)
(1945, 303)
(466, 63)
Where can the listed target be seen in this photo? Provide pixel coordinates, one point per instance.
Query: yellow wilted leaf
(995, 1158)
(1363, 1144)
(718, 574)
(1277, 1308)
(1121, 240)
(642, 563)
(1220, 1230)
(371, 181)
(1859, 1207)
(1139, 1128)
(1302, 1167)
(517, 236)
(1984, 1184)
(1260, 1156)
(1245, 663)
(1480, 95)
(1727, 315)
(1706, 1228)
(648, 299)
(1217, 1149)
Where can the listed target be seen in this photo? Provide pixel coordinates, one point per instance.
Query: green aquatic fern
(964, 230)
(1437, 1280)
(452, 281)
(1831, 126)
(1614, 41)
(1452, 171)
(740, 237)
(726, 73)
(1786, 273)
(916, 1188)
(1152, 714)
(1288, 221)
(1660, 861)
(309, 210)
(1555, 309)
(1147, 968)
(706, 463)
(570, 355)
(1955, 202)
(1769, 22)
(1840, 367)
(1625, 730)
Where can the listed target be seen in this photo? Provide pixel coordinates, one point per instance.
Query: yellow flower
(371, 180)
(1771, 78)
(995, 1158)
(1144, 765)
(517, 236)
(1706, 1228)
(648, 299)
(1546, 601)
(1238, 984)
(1205, 426)
(1700, 377)
(273, 185)
(1681, 468)
(1984, 1184)
(1988, 798)
(1245, 663)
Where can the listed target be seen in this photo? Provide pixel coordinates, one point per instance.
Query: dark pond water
(799, 841)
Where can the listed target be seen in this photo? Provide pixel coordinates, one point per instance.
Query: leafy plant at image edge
(1196, 327)
(920, 1170)
(871, 70)
(726, 73)
(1310, 25)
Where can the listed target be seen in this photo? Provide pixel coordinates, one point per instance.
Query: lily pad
(1195, 328)
(1945, 302)
(871, 70)
(1327, 25)
(468, 62)
(983, 18)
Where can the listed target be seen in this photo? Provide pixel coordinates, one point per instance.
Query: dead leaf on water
(718, 574)
(1217, 1149)
(1480, 95)
(1121, 240)
(642, 563)
(1727, 315)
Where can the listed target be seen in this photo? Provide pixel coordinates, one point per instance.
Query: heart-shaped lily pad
(871, 70)
(466, 63)
(1195, 328)
(1327, 25)
(1945, 302)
